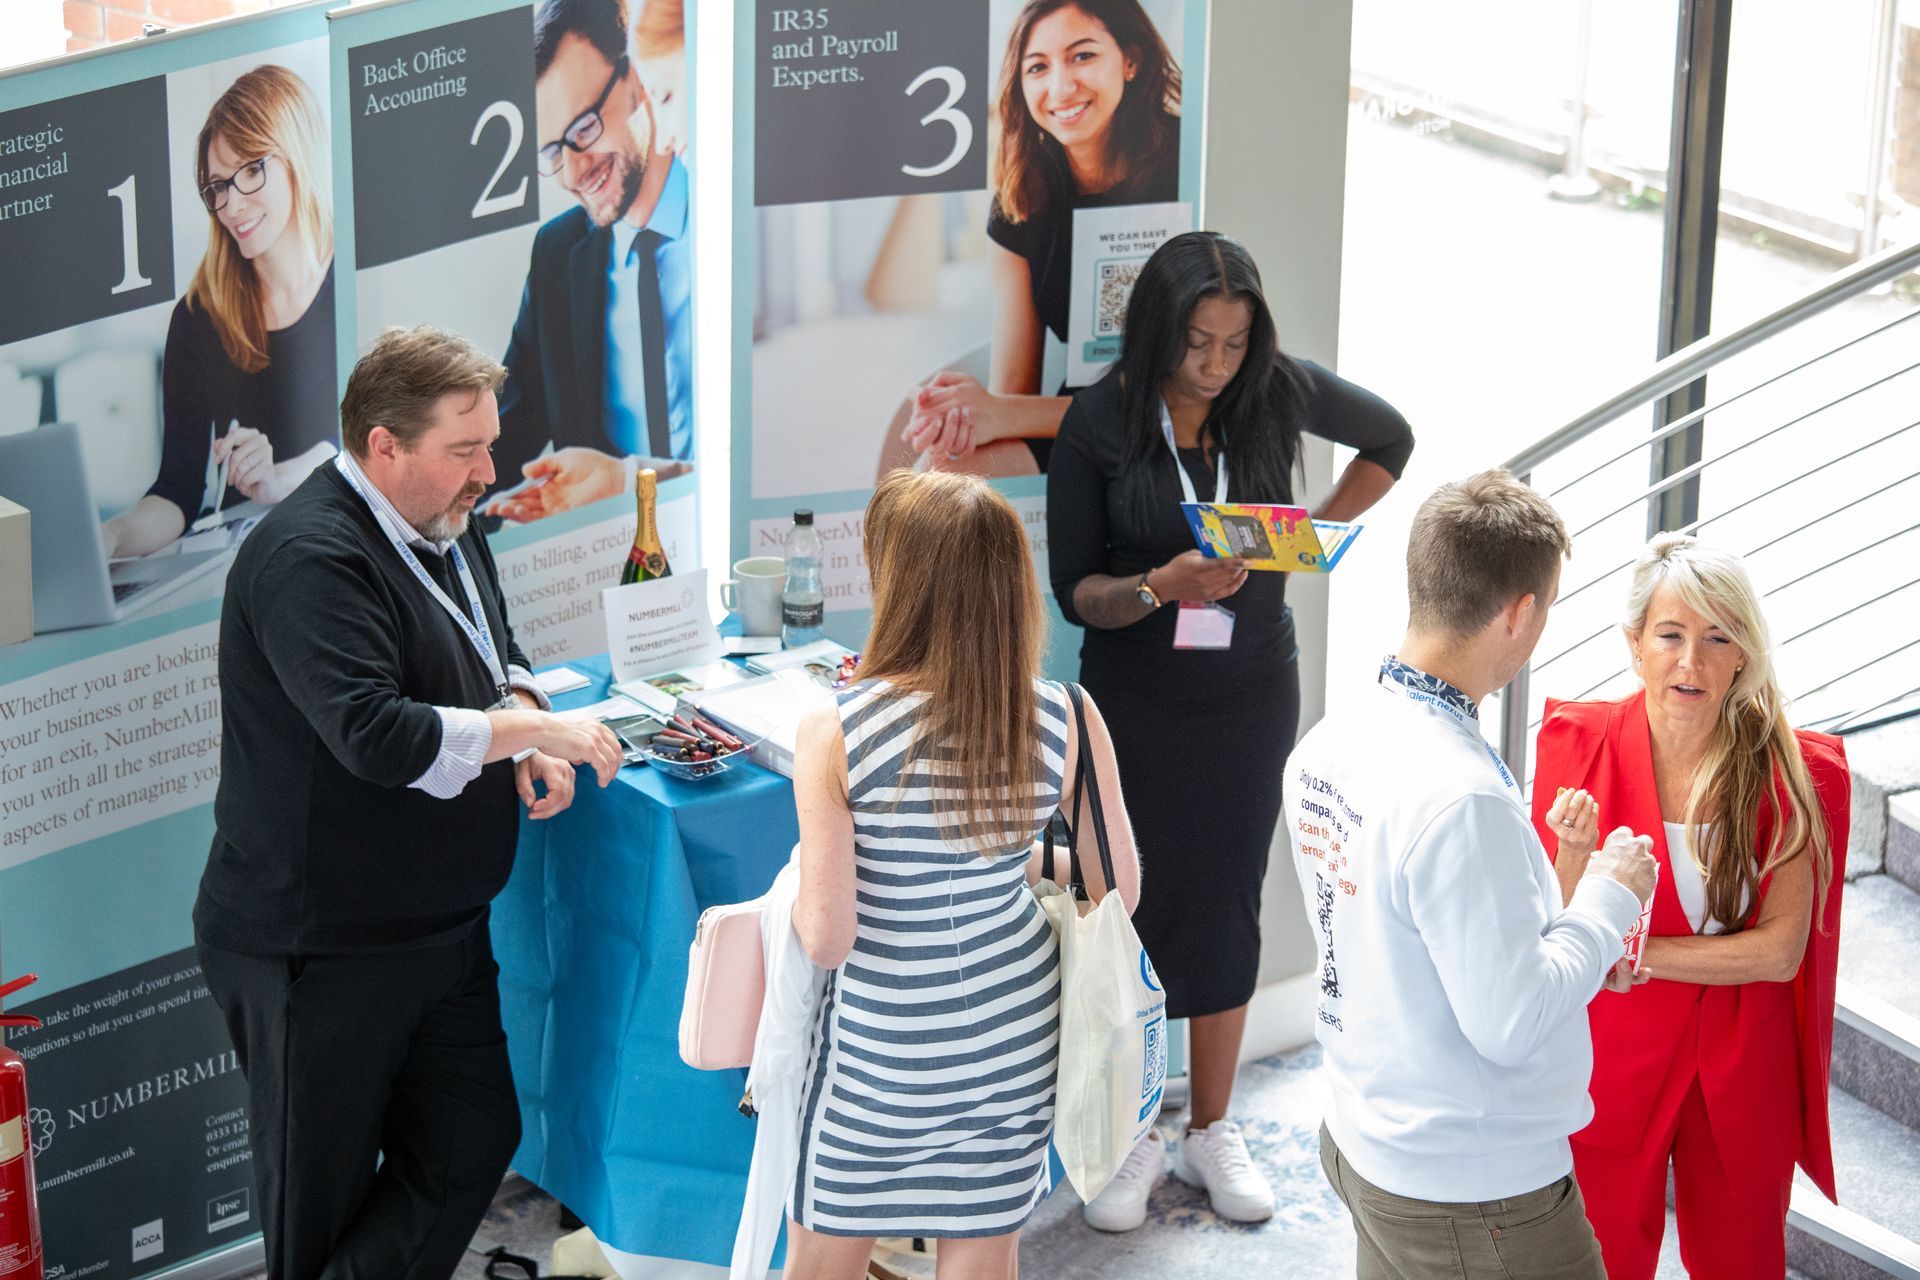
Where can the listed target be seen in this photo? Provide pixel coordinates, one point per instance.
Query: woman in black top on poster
(1089, 117)
(1201, 733)
(249, 374)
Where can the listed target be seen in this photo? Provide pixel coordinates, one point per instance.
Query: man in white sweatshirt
(1453, 986)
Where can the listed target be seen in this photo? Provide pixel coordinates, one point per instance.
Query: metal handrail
(1690, 362)
(1683, 367)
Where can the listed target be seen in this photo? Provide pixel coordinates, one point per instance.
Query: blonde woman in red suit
(1718, 1063)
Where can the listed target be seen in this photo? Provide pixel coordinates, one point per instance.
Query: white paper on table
(1110, 245)
(617, 707)
(558, 680)
(652, 626)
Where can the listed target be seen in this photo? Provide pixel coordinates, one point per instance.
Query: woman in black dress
(1203, 703)
(249, 374)
(1088, 116)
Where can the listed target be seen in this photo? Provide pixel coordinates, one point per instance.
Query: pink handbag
(726, 983)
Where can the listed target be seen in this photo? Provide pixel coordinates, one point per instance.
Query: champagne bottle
(646, 561)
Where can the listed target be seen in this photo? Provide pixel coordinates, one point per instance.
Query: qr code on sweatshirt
(1110, 307)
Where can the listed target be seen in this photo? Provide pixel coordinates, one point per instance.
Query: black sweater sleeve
(1347, 413)
(313, 611)
(1077, 533)
(187, 426)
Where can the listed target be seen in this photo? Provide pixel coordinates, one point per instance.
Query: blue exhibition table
(592, 934)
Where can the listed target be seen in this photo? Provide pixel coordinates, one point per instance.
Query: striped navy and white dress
(929, 1090)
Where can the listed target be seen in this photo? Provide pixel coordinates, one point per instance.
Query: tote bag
(1113, 1023)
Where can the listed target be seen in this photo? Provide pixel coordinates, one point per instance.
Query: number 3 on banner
(130, 277)
(962, 127)
(489, 203)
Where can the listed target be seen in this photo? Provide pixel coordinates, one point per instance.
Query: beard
(449, 524)
(623, 185)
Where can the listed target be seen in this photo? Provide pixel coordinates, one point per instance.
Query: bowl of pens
(692, 748)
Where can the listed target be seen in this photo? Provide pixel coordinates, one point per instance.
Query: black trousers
(382, 1108)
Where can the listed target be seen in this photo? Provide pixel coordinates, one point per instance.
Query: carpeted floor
(1277, 1101)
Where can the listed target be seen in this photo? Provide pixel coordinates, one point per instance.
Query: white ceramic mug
(754, 593)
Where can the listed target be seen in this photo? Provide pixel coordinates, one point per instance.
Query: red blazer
(1762, 1048)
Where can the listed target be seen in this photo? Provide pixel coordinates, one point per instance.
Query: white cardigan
(776, 1079)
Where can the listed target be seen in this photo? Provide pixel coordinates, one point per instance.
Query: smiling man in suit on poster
(600, 364)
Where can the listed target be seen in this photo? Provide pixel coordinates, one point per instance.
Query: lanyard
(1180, 469)
(1431, 691)
(480, 636)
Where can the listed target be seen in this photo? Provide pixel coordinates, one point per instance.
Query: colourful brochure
(1285, 539)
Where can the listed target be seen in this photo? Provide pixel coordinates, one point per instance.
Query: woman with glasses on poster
(1088, 115)
(1193, 659)
(248, 377)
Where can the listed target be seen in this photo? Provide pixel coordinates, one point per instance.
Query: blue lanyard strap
(475, 626)
(1446, 698)
(1179, 468)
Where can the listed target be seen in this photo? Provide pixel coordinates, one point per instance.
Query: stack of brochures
(828, 662)
(661, 693)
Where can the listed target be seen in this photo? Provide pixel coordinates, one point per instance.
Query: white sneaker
(1215, 1159)
(1122, 1205)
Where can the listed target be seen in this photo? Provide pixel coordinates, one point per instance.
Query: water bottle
(803, 603)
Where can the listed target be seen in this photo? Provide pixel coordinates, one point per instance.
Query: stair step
(1880, 941)
(1876, 1053)
(1903, 838)
(1885, 761)
(1877, 1166)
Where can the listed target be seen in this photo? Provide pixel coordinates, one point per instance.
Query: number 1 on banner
(962, 127)
(130, 278)
(489, 203)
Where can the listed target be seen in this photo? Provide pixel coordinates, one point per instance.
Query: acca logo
(41, 1128)
(149, 1239)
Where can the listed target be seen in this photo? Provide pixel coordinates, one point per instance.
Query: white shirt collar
(378, 501)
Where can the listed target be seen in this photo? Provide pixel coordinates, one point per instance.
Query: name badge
(1203, 626)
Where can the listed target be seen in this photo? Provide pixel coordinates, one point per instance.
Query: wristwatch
(1146, 593)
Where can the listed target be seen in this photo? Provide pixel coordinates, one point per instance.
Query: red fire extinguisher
(19, 1212)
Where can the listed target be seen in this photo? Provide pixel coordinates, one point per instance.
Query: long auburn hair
(1753, 742)
(957, 616)
(1146, 124)
(269, 111)
(1256, 418)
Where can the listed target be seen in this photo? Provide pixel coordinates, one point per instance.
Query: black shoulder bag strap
(1085, 783)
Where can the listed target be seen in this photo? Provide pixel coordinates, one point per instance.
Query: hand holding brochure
(1275, 538)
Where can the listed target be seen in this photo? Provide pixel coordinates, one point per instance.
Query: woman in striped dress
(928, 1100)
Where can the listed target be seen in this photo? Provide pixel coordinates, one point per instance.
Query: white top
(1688, 883)
(1453, 986)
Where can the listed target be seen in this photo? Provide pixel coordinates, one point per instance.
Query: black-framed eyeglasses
(585, 129)
(247, 179)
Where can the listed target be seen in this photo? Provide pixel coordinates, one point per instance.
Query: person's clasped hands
(1627, 858)
(248, 457)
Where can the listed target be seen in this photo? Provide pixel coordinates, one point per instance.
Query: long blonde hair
(957, 616)
(269, 111)
(1752, 743)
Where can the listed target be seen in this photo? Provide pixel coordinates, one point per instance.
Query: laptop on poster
(73, 583)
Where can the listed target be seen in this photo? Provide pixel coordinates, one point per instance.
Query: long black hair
(1257, 416)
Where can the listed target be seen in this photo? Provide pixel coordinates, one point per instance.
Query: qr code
(1116, 286)
(1156, 1056)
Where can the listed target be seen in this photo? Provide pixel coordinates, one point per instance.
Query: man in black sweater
(380, 733)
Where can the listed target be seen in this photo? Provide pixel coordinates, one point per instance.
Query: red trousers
(1733, 1222)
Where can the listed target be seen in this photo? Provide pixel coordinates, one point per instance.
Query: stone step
(1880, 941)
(1885, 761)
(1876, 1053)
(1871, 1232)
(1903, 838)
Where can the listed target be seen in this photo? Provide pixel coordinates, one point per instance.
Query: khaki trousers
(1540, 1235)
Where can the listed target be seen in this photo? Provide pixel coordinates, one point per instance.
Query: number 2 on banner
(962, 127)
(130, 277)
(490, 203)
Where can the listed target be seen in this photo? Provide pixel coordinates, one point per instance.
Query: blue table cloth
(591, 934)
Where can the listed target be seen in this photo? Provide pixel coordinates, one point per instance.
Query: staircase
(1875, 1230)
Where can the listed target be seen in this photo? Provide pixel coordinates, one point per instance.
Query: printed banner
(1008, 152)
(137, 1113)
(542, 155)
